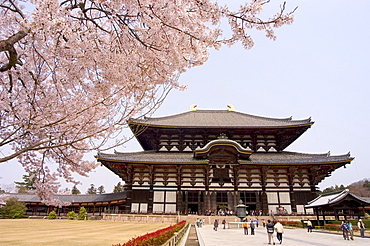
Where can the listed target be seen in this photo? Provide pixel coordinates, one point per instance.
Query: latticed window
(221, 197)
(193, 196)
(247, 197)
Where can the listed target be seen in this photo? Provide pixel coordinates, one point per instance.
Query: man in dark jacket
(270, 231)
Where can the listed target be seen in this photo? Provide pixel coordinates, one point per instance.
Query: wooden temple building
(203, 160)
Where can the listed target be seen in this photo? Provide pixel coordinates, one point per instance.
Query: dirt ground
(26, 232)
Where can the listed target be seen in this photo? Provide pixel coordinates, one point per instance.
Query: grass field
(27, 232)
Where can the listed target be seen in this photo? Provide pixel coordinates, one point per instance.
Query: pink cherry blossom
(73, 72)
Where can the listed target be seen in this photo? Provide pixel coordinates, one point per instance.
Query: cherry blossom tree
(73, 72)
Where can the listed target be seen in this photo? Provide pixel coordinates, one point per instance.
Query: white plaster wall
(134, 207)
(284, 197)
(300, 208)
(171, 196)
(143, 207)
(272, 197)
(158, 196)
(157, 208)
(170, 208)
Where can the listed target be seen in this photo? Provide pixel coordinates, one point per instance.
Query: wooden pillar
(207, 200)
(291, 174)
(129, 188)
(263, 196)
(317, 216)
(179, 197)
(151, 188)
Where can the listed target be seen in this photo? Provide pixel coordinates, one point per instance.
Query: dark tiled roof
(25, 197)
(335, 197)
(257, 158)
(219, 118)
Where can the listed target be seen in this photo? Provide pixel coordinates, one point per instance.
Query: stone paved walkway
(291, 237)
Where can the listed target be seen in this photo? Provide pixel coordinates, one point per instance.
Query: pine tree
(75, 191)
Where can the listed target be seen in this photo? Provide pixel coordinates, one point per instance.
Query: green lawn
(37, 232)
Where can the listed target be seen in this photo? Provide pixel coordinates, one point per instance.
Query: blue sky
(318, 67)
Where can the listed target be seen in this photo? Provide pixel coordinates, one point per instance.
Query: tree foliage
(91, 190)
(28, 183)
(118, 188)
(13, 209)
(101, 190)
(75, 191)
(71, 215)
(360, 188)
(52, 215)
(73, 72)
(82, 214)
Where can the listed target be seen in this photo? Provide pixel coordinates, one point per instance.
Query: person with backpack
(270, 232)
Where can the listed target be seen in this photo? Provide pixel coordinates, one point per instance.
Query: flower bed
(156, 238)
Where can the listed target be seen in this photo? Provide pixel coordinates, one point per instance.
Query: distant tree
(13, 208)
(91, 190)
(360, 191)
(27, 184)
(118, 188)
(101, 189)
(366, 184)
(333, 189)
(75, 191)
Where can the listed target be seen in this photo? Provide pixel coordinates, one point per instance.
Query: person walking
(270, 232)
(361, 226)
(344, 230)
(350, 230)
(224, 223)
(252, 226)
(245, 226)
(215, 225)
(309, 225)
(279, 231)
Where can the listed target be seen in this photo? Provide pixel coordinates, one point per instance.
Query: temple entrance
(193, 208)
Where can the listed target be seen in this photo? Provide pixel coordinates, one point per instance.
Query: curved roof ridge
(327, 154)
(219, 118)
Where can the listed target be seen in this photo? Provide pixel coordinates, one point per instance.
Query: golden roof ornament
(192, 107)
(231, 107)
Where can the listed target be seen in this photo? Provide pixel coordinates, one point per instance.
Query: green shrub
(52, 215)
(13, 209)
(82, 214)
(71, 215)
(292, 223)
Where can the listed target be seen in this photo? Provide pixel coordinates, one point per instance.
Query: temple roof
(335, 197)
(283, 158)
(219, 119)
(26, 197)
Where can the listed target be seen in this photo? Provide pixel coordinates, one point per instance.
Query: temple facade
(204, 160)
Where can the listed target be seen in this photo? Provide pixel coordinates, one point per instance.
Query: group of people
(252, 225)
(276, 226)
(271, 227)
(347, 229)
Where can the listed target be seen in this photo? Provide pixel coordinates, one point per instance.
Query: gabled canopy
(222, 147)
